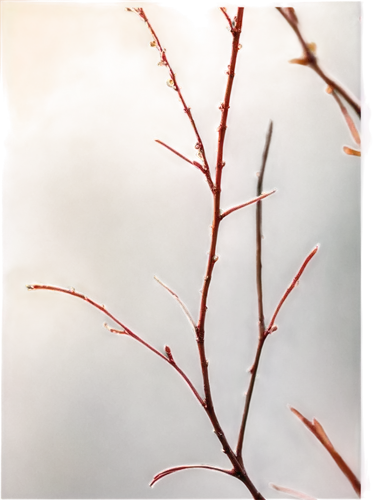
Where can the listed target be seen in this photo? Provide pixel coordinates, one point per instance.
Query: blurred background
(91, 201)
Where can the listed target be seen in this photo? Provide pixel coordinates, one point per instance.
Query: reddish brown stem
(195, 163)
(254, 200)
(224, 11)
(186, 467)
(310, 58)
(261, 324)
(317, 429)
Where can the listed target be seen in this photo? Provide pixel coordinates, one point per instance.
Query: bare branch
(261, 325)
(309, 59)
(125, 330)
(254, 200)
(184, 308)
(294, 283)
(317, 429)
(353, 129)
(166, 472)
(293, 493)
(195, 163)
(174, 84)
(351, 152)
(224, 11)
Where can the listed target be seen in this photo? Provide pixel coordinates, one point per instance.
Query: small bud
(30, 287)
(215, 258)
(302, 61)
(199, 155)
(274, 328)
(351, 152)
(170, 83)
(153, 43)
(312, 47)
(239, 46)
(329, 90)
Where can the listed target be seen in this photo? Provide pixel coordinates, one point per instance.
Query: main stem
(238, 468)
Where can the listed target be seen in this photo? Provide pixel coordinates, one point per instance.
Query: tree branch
(125, 330)
(166, 472)
(195, 163)
(316, 428)
(271, 326)
(309, 59)
(174, 84)
(184, 308)
(293, 493)
(261, 324)
(254, 200)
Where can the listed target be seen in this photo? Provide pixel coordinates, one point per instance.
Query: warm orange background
(91, 201)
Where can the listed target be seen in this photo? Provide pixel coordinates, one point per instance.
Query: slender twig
(254, 200)
(316, 428)
(261, 324)
(123, 330)
(195, 163)
(224, 11)
(174, 84)
(309, 59)
(271, 326)
(293, 493)
(186, 467)
(333, 85)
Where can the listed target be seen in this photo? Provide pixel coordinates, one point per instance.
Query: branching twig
(185, 467)
(195, 163)
(333, 85)
(316, 428)
(254, 200)
(224, 11)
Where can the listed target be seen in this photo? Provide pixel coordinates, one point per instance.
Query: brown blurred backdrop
(91, 201)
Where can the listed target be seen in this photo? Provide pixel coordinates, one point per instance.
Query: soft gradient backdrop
(91, 201)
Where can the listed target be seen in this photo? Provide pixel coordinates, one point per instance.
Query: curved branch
(271, 327)
(125, 330)
(184, 308)
(172, 470)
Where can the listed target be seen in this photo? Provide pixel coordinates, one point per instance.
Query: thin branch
(261, 324)
(224, 11)
(309, 59)
(254, 200)
(195, 163)
(184, 308)
(294, 283)
(166, 472)
(293, 493)
(351, 152)
(316, 428)
(174, 84)
(353, 129)
(125, 330)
